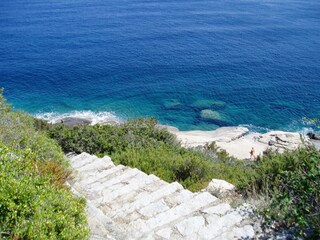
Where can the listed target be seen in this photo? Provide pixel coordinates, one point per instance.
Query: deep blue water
(158, 58)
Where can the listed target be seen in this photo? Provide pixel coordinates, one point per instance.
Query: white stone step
(194, 223)
(127, 174)
(245, 232)
(79, 161)
(162, 204)
(179, 197)
(97, 165)
(190, 225)
(197, 202)
(143, 201)
(140, 180)
(219, 209)
(80, 157)
(132, 196)
(97, 177)
(219, 225)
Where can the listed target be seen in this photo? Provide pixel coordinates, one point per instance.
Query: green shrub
(291, 180)
(34, 203)
(31, 207)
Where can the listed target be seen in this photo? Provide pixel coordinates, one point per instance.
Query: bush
(34, 202)
(31, 207)
(291, 180)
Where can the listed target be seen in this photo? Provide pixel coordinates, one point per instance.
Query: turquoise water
(250, 61)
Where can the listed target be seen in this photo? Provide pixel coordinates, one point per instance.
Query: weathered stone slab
(165, 233)
(221, 224)
(101, 175)
(96, 165)
(140, 180)
(128, 173)
(190, 225)
(220, 209)
(178, 198)
(220, 188)
(245, 232)
(83, 160)
(153, 209)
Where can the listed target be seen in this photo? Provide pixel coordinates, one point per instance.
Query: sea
(192, 64)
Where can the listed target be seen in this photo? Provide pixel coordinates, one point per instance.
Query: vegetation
(140, 144)
(34, 204)
(289, 180)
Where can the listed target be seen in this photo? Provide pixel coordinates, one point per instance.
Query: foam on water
(94, 117)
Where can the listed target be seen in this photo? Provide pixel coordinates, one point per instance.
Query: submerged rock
(172, 104)
(209, 103)
(214, 117)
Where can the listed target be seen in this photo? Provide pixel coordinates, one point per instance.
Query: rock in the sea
(172, 104)
(73, 121)
(209, 103)
(220, 188)
(213, 116)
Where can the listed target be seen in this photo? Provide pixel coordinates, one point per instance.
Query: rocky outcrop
(220, 188)
(74, 121)
(238, 141)
(314, 136)
(280, 141)
(125, 203)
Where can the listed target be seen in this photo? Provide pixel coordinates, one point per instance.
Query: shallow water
(167, 59)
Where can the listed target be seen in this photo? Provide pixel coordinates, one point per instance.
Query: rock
(271, 143)
(172, 104)
(214, 117)
(73, 121)
(220, 188)
(209, 103)
(281, 140)
(314, 136)
(210, 114)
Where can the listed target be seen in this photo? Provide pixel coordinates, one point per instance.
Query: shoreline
(236, 140)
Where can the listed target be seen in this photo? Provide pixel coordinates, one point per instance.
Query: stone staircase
(125, 203)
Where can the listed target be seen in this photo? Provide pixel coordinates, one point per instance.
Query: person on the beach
(252, 153)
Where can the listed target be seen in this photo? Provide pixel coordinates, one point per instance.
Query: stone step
(217, 225)
(162, 205)
(126, 203)
(145, 200)
(220, 209)
(245, 232)
(126, 174)
(82, 159)
(96, 165)
(197, 202)
(132, 196)
(115, 191)
(194, 223)
(98, 177)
